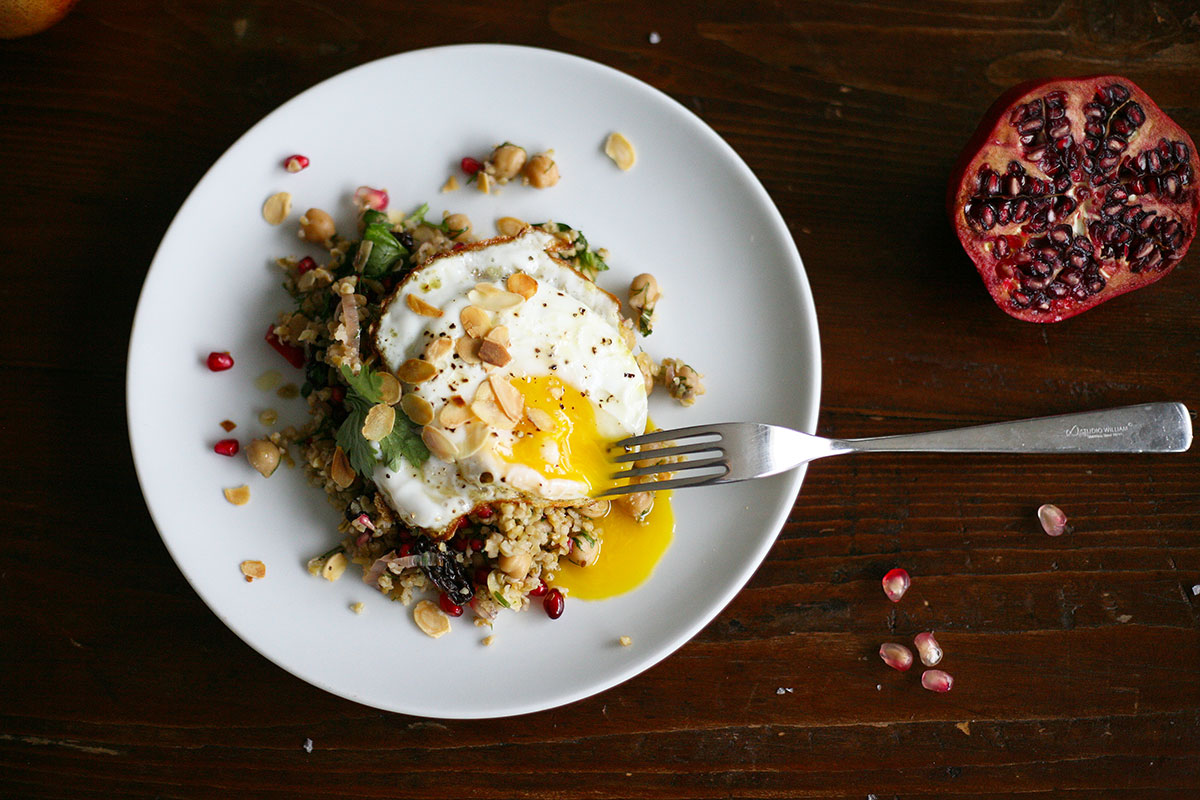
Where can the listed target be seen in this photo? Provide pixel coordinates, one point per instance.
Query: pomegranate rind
(996, 142)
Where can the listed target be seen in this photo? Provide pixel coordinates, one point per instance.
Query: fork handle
(1146, 428)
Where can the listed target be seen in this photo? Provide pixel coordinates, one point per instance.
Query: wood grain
(1077, 659)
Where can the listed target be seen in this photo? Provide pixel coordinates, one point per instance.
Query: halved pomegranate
(1071, 192)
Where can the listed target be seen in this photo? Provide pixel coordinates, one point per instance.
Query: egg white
(569, 328)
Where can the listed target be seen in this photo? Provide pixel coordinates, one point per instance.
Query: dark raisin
(449, 575)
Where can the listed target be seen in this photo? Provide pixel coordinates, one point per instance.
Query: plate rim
(794, 479)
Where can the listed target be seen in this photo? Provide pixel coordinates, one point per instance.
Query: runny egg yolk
(573, 449)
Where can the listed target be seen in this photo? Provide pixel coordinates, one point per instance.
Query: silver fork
(739, 451)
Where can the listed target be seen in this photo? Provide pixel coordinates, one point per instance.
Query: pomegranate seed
(470, 165)
(365, 521)
(540, 591)
(449, 606)
(336, 394)
(484, 512)
(896, 656)
(219, 362)
(294, 355)
(226, 447)
(460, 544)
(896, 583)
(366, 197)
(1054, 521)
(554, 604)
(363, 538)
(928, 648)
(937, 681)
(404, 549)
(481, 576)
(295, 163)
(305, 264)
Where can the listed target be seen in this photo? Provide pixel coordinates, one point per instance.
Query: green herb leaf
(385, 250)
(350, 439)
(418, 216)
(404, 442)
(644, 321)
(501, 600)
(366, 384)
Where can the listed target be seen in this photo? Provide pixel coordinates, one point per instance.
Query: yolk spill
(573, 449)
(628, 552)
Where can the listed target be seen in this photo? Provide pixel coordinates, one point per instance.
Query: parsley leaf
(403, 442)
(350, 439)
(366, 384)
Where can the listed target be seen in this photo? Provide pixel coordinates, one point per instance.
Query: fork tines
(697, 440)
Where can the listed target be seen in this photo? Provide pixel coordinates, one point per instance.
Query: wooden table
(1077, 659)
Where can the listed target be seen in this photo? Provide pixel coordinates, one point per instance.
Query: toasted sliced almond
(483, 182)
(238, 495)
(451, 184)
(253, 570)
(419, 306)
(277, 208)
(432, 621)
(456, 412)
(379, 422)
(510, 226)
(620, 150)
(417, 409)
(340, 470)
(511, 401)
(416, 370)
(493, 298)
(475, 437)
(499, 335)
(494, 353)
(522, 284)
(439, 443)
(335, 565)
(467, 348)
(540, 419)
(487, 408)
(389, 389)
(475, 321)
(438, 349)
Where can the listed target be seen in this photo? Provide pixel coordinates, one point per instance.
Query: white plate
(736, 305)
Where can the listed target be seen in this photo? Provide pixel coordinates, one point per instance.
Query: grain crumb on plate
(308, 745)
(488, 640)
(625, 641)
(451, 184)
(253, 570)
(358, 607)
(227, 425)
(288, 391)
(238, 495)
(965, 727)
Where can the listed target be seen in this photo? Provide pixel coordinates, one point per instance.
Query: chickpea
(541, 171)
(595, 509)
(506, 161)
(515, 566)
(585, 549)
(263, 455)
(458, 226)
(644, 291)
(637, 504)
(317, 226)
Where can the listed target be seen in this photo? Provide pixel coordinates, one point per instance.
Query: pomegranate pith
(1072, 192)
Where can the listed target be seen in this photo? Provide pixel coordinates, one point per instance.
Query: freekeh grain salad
(463, 394)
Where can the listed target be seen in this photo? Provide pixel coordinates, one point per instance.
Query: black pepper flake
(593, 351)
(554, 366)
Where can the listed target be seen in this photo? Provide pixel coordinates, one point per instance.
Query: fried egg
(518, 371)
